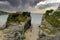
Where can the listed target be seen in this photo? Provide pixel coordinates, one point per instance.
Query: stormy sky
(19, 5)
(22, 2)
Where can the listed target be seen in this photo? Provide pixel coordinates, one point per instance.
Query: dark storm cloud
(2, 0)
(13, 2)
(18, 4)
(22, 2)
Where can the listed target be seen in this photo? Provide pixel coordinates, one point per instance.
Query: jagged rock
(14, 29)
(12, 36)
(8, 34)
(14, 26)
(52, 23)
(22, 26)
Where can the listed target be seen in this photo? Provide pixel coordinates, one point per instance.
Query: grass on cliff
(57, 14)
(53, 19)
(47, 30)
(3, 13)
(17, 17)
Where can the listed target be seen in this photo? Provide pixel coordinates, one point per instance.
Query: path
(32, 34)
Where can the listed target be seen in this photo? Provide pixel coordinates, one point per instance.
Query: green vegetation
(57, 14)
(47, 30)
(53, 19)
(18, 17)
(3, 13)
(49, 11)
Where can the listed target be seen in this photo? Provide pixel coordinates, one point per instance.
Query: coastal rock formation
(8, 34)
(17, 23)
(50, 26)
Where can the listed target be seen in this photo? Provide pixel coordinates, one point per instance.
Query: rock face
(12, 36)
(50, 27)
(17, 23)
(4, 35)
(27, 24)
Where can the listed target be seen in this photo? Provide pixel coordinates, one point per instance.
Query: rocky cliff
(17, 23)
(50, 26)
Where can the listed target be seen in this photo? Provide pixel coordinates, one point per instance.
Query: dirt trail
(32, 33)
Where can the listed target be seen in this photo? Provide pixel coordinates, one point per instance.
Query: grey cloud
(47, 4)
(17, 5)
(2, 0)
(13, 2)
(22, 2)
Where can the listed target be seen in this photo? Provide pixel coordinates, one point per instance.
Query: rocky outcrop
(50, 27)
(8, 34)
(20, 25)
(27, 24)
(15, 27)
